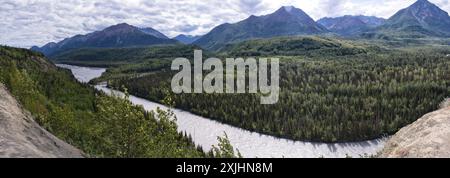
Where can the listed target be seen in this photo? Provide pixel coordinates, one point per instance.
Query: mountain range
(187, 39)
(120, 35)
(421, 19)
(350, 25)
(286, 21)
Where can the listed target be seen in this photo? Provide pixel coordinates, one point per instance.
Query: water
(205, 132)
(84, 74)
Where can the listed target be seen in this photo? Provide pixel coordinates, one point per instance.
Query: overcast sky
(24, 23)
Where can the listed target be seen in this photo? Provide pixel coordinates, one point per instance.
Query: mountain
(418, 20)
(286, 21)
(372, 20)
(46, 49)
(350, 25)
(120, 35)
(153, 32)
(187, 39)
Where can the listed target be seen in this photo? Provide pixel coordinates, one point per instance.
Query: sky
(24, 23)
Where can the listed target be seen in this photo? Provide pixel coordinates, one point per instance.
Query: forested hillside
(106, 57)
(100, 125)
(331, 98)
(281, 46)
(297, 46)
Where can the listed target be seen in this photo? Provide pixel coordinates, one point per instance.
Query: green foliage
(100, 125)
(129, 131)
(329, 98)
(106, 57)
(133, 70)
(225, 149)
(295, 46)
(124, 129)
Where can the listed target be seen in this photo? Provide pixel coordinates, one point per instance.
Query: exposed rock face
(22, 137)
(428, 137)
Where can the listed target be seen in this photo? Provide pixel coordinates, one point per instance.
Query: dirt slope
(428, 137)
(22, 137)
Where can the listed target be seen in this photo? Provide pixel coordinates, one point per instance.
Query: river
(205, 132)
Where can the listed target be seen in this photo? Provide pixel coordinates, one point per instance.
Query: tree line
(328, 98)
(99, 125)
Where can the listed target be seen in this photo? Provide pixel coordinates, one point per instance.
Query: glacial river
(205, 132)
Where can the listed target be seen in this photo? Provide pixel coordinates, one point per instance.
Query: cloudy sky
(24, 23)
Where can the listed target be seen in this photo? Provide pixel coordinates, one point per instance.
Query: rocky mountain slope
(286, 21)
(22, 137)
(422, 18)
(428, 137)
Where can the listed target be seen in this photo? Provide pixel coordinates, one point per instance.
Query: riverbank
(205, 132)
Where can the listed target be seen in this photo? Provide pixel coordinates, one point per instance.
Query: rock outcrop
(428, 137)
(22, 137)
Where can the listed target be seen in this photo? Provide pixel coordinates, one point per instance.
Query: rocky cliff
(22, 137)
(428, 137)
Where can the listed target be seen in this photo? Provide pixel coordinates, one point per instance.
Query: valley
(346, 83)
(204, 132)
(333, 89)
(97, 124)
(347, 79)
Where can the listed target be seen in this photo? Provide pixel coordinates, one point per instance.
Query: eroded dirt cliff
(428, 137)
(22, 137)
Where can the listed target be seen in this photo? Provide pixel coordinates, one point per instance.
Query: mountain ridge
(286, 21)
(420, 19)
(349, 25)
(120, 35)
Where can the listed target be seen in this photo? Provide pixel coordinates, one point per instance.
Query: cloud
(24, 23)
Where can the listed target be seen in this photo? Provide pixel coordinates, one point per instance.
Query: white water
(205, 132)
